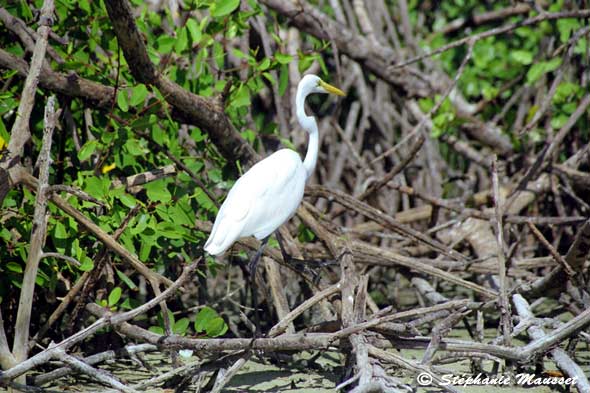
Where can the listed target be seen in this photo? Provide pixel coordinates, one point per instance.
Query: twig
(230, 373)
(410, 365)
(74, 191)
(486, 17)
(99, 375)
(281, 326)
(358, 327)
(23, 319)
(57, 255)
(484, 215)
(555, 336)
(558, 258)
(410, 155)
(20, 133)
(560, 357)
(386, 257)
(93, 359)
(501, 257)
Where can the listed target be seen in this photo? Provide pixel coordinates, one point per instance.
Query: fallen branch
(107, 320)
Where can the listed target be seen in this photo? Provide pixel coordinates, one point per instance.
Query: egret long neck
(309, 124)
(311, 157)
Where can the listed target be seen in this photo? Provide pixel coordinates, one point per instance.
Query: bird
(269, 193)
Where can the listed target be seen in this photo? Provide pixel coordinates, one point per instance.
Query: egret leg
(253, 287)
(256, 258)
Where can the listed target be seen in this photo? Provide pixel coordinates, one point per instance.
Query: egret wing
(244, 208)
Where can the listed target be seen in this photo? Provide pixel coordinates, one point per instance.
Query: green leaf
(194, 31)
(114, 296)
(239, 54)
(288, 144)
(60, 231)
(138, 95)
(122, 100)
(203, 199)
(134, 148)
(87, 150)
(564, 91)
(14, 267)
(84, 5)
(181, 41)
(181, 212)
(552, 64)
(535, 72)
(165, 43)
(158, 192)
(4, 135)
(283, 58)
(522, 56)
(283, 79)
(559, 121)
(264, 64)
(86, 265)
(97, 187)
(305, 61)
(565, 28)
(223, 7)
(156, 329)
(203, 316)
(181, 326)
(126, 280)
(241, 96)
(216, 327)
(539, 69)
(128, 200)
(170, 230)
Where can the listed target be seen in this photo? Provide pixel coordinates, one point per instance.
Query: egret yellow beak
(331, 89)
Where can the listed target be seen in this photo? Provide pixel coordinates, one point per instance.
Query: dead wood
(402, 247)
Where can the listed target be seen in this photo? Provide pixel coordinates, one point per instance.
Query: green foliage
(210, 323)
(179, 327)
(499, 63)
(136, 134)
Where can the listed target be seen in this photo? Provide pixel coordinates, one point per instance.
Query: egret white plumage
(269, 193)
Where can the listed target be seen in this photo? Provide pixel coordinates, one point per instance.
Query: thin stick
(21, 338)
(99, 375)
(558, 258)
(503, 301)
(282, 325)
(20, 133)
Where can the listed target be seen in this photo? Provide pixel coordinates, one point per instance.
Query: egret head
(314, 84)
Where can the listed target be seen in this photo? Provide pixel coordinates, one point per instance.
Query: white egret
(269, 193)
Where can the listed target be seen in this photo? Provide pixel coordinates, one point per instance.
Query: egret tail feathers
(222, 237)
